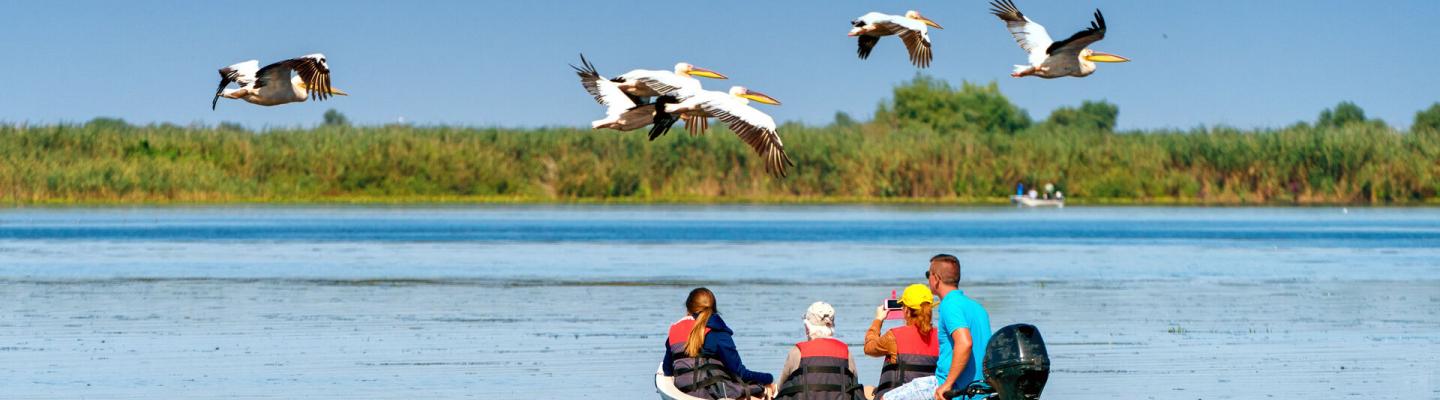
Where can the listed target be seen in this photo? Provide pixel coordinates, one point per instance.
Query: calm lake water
(541, 302)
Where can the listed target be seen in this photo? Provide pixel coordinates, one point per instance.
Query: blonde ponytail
(701, 302)
(921, 318)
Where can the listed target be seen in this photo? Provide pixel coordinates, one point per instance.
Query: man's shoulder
(959, 306)
(958, 301)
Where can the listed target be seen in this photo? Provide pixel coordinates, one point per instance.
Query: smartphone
(893, 304)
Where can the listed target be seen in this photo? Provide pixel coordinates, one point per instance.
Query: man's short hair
(949, 272)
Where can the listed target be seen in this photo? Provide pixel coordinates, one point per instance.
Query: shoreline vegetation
(930, 143)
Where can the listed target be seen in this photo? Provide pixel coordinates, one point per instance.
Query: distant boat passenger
(820, 368)
(700, 354)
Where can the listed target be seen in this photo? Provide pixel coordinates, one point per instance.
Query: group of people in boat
(1049, 194)
(938, 348)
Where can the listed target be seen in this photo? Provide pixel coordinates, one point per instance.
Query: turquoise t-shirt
(957, 311)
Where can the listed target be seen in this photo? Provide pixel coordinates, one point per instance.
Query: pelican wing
(914, 34)
(1080, 40)
(242, 73)
(696, 124)
(660, 120)
(754, 127)
(867, 43)
(606, 93)
(312, 70)
(667, 83)
(637, 117)
(1031, 36)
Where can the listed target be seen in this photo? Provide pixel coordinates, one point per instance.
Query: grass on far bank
(930, 144)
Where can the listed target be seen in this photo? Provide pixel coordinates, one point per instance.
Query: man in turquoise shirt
(964, 327)
(964, 330)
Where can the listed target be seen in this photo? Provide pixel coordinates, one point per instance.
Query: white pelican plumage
(288, 81)
(754, 127)
(671, 87)
(621, 113)
(637, 86)
(680, 82)
(912, 29)
(1050, 59)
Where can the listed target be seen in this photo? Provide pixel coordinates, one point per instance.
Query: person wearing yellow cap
(910, 351)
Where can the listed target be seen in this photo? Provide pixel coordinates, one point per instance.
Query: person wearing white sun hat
(820, 367)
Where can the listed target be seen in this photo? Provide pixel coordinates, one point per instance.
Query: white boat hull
(665, 385)
(1027, 201)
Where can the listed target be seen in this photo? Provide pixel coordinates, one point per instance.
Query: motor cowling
(1016, 364)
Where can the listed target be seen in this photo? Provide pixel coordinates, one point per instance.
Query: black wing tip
(867, 45)
(662, 124)
(1099, 22)
(587, 70)
(1005, 8)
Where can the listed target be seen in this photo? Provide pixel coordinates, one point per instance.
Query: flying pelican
(275, 84)
(621, 113)
(1050, 59)
(676, 86)
(753, 126)
(912, 29)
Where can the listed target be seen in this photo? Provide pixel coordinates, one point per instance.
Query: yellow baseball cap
(915, 295)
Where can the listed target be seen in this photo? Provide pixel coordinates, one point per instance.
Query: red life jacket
(824, 373)
(915, 358)
(701, 376)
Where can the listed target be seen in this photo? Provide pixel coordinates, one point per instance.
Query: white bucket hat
(820, 320)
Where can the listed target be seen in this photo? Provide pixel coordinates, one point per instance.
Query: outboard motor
(1016, 364)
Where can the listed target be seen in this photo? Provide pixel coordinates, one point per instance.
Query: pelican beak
(1105, 57)
(854, 32)
(705, 73)
(760, 97)
(932, 24)
(332, 90)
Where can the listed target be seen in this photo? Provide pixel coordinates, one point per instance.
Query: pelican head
(1095, 56)
(915, 15)
(742, 92)
(691, 70)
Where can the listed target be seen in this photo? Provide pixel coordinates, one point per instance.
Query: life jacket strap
(822, 370)
(711, 381)
(701, 368)
(810, 388)
(903, 368)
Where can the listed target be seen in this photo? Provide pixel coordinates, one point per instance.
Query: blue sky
(504, 63)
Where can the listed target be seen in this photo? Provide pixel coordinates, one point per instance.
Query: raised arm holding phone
(962, 327)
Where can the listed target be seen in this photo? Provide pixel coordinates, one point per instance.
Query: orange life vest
(824, 373)
(915, 357)
(703, 376)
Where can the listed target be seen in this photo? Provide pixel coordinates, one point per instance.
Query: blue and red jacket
(720, 344)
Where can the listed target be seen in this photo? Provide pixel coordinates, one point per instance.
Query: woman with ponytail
(911, 350)
(700, 354)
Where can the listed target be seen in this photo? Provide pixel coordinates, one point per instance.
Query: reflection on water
(554, 302)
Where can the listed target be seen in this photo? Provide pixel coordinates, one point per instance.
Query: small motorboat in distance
(1052, 197)
(1027, 201)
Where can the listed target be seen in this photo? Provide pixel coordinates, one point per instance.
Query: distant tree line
(929, 142)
